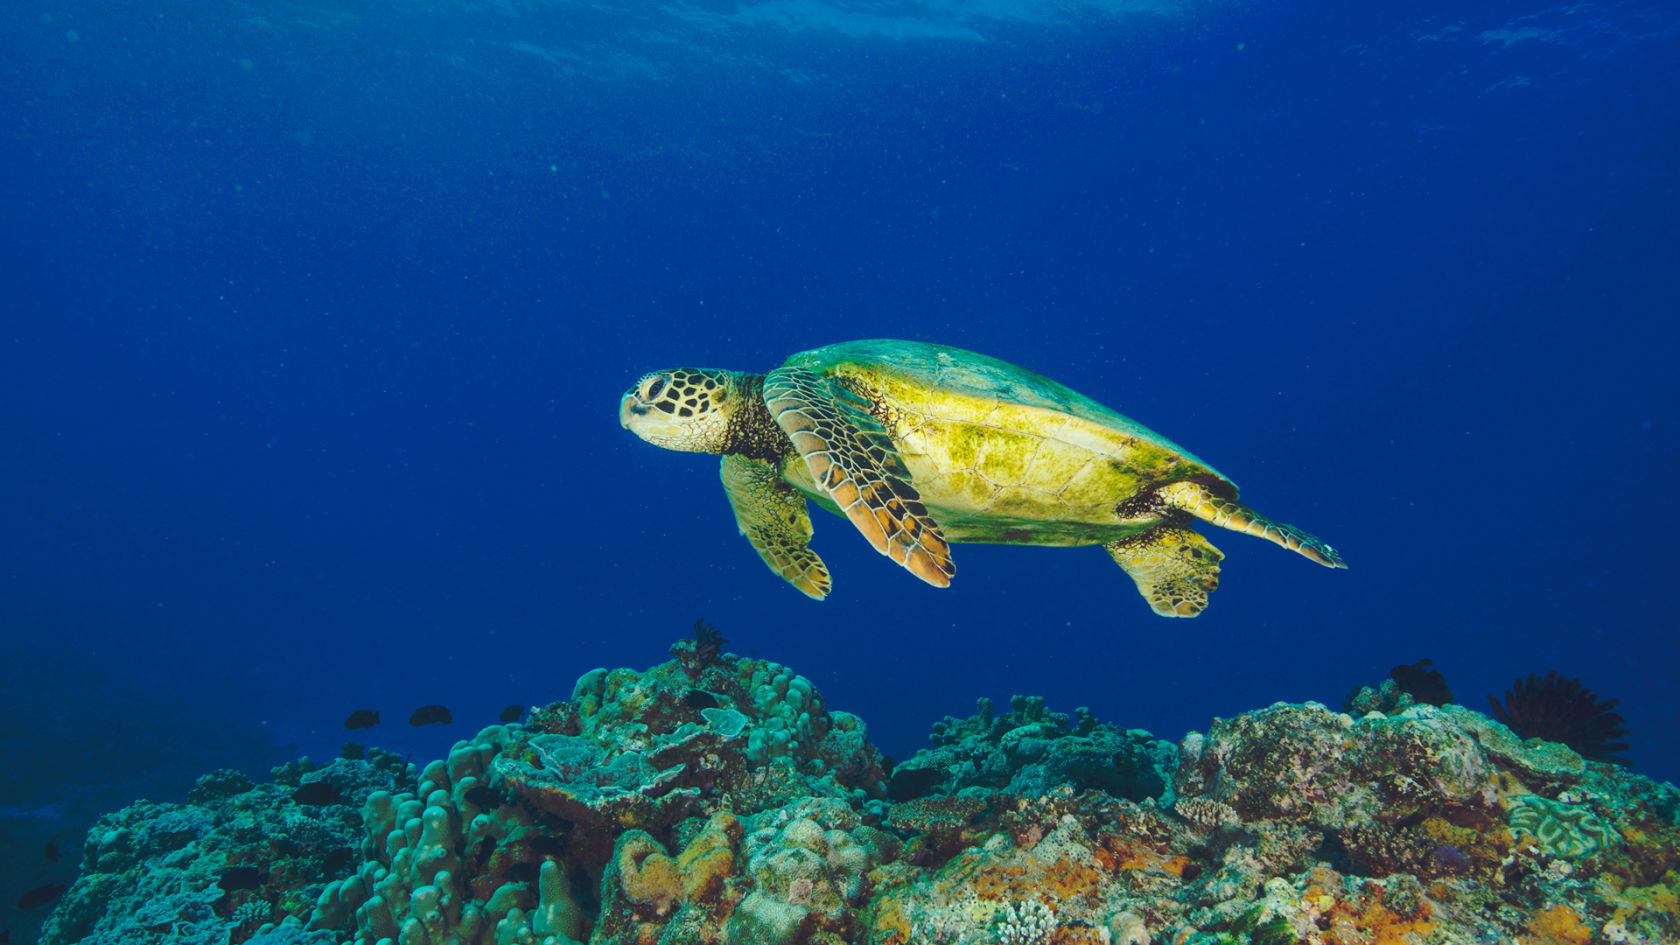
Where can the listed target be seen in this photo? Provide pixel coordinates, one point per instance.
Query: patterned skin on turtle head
(683, 409)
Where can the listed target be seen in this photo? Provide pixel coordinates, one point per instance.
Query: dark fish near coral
(235, 878)
(353, 750)
(484, 796)
(51, 853)
(1425, 683)
(318, 793)
(908, 784)
(511, 714)
(431, 715)
(700, 699)
(41, 895)
(362, 718)
(522, 873)
(337, 860)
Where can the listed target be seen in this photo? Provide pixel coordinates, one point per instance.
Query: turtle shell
(1001, 454)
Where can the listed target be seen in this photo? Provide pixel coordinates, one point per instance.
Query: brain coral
(1570, 830)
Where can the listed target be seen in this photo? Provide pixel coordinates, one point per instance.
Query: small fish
(336, 860)
(522, 873)
(511, 714)
(484, 796)
(353, 750)
(51, 853)
(362, 718)
(41, 895)
(235, 878)
(431, 715)
(318, 793)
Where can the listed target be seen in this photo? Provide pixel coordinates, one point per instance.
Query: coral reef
(235, 858)
(1030, 750)
(718, 800)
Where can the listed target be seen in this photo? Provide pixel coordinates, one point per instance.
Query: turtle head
(689, 409)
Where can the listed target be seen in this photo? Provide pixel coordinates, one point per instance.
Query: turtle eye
(653, 386)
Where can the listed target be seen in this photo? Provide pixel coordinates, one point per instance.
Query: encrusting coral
(718, 800)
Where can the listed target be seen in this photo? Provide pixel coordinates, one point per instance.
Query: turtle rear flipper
(1198, 500)
(774, 517)
(852, 459)
(1175, 568)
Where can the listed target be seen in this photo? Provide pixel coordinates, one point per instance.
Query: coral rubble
(715, 799)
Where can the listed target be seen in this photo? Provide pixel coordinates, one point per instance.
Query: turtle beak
(629, 409)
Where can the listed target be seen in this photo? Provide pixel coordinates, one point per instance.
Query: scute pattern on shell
(998, 453)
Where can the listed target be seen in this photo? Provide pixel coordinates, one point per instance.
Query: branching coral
(1560, 709)
(1029, 923)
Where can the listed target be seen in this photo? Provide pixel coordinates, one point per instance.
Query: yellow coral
(1660, 897)
(892, 921)
(1557, 924)
(1369, 922)
(647, 875)
(1148, 861)
(709, 858)
(705, 875)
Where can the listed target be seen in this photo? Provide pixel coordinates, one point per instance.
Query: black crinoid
(1423, 681)
(1560, 709)
(708, 642)
(706, 649)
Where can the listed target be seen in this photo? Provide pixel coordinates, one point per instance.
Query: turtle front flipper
(851, 458)
(773, 516)
(1175, 568)
(1198, 500)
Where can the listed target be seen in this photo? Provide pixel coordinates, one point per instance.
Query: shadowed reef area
(718, 799)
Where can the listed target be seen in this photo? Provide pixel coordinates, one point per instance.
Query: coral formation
(720, 801)
(237, 856)
(1570, 830)
(1031, 749)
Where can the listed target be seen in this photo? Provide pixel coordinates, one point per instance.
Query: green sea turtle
(921, 445)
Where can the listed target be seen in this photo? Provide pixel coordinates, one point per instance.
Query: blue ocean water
(318, 315)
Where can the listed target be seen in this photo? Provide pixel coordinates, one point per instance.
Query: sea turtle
(921, 445)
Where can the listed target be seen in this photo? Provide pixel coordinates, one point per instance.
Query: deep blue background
(316, 322)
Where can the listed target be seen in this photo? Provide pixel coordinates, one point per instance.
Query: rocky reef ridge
(715, 799)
